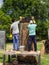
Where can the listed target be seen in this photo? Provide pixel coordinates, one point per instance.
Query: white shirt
(14, 27)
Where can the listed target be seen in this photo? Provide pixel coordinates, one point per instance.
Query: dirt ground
(5, 64)
(1, 63)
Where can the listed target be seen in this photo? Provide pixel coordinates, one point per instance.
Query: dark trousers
(31, 39)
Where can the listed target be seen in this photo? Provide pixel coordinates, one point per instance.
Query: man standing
(14, 30)
(32, 34)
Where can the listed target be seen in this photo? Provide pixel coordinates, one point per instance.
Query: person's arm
(11, 29)
(18, 22)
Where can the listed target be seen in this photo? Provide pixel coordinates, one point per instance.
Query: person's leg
(35, 44)
(13, 42)
(16, 41)
(29, 43)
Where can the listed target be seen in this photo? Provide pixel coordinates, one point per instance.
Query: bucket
(22, 48)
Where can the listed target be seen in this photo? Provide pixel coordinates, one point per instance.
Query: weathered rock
(27, 59)
(46, 46)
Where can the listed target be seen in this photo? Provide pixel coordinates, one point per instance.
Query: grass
(44, 58)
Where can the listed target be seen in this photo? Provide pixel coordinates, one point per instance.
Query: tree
(37, 8)
(5, 21)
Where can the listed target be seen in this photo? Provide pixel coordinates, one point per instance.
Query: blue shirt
(32, 29)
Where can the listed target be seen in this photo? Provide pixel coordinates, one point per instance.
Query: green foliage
(5, 22)
(42, 29)
(36, 8)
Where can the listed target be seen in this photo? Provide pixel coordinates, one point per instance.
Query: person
(32, 34)
(14, 30)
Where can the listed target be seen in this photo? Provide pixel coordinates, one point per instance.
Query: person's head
(13, 20)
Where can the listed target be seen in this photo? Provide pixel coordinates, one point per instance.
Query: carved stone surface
(23, 34)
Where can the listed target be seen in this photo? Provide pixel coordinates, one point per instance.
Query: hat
(31, 21)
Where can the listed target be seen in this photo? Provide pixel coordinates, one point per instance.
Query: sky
(1, 2)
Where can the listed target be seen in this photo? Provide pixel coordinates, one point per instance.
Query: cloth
(32, 29)
(14, 27)
(32, 38)
(16, 41)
